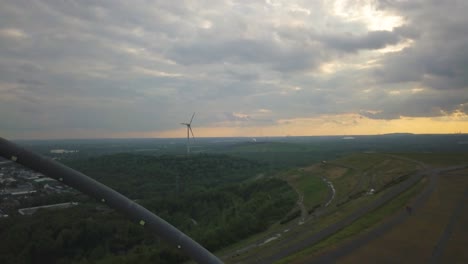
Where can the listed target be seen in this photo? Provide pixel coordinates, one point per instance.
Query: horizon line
(286, 136)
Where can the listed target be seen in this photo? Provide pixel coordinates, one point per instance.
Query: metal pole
(108, 196)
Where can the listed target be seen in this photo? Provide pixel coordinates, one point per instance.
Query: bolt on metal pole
(112, 198)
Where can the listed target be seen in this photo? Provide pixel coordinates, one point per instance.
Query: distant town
(18, 185)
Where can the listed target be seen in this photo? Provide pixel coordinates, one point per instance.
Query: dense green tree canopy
(215, 199)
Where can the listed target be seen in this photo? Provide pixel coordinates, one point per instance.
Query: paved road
(349, 247)
(296, 246)
(395, 191)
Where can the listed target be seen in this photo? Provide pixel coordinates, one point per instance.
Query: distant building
(62, 151)
(42, 180)
(32, 210)
(31, 178)
(51, 189)
(23, 193)
(19, 190)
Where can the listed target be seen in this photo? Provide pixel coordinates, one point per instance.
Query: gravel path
(331, 193)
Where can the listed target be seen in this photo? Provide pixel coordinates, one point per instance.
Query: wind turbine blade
(191, 132)
(192, 118)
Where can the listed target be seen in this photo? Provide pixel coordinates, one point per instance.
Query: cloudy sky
(84, 69)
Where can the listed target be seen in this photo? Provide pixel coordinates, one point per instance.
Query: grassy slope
(309, 184)
(344, 178)
(361, 172)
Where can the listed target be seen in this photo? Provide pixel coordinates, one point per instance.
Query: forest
(216, 199)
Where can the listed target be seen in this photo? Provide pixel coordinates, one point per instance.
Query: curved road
(349, 247)
(344, 222)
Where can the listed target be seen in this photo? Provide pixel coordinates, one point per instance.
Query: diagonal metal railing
(112, 198)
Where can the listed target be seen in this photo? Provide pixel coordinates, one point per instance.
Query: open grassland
(356, 174)
(360, 161)
(309, 185)
(438, 159)
(388, 170)
(415, 240)
(344, 179)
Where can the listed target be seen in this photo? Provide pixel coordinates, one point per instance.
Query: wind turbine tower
(189, 130)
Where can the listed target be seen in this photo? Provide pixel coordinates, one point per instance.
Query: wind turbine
(189, 130)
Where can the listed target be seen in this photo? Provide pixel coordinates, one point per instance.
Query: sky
(128, 69)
